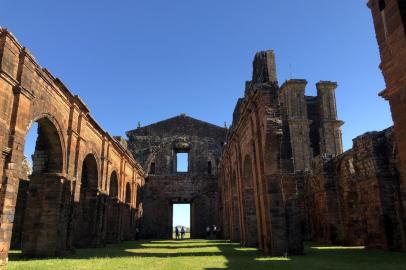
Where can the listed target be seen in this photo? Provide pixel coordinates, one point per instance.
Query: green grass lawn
(210, 255)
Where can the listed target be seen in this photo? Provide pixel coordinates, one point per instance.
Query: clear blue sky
(149, 60)
(181, 215)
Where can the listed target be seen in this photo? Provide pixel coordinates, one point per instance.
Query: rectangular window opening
(181, 220)
(182, 162)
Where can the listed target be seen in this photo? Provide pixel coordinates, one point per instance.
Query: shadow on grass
(237, 257)
(316, 258)
(164, 249)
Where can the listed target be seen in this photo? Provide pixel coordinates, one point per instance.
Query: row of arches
(55, 215)
(45, 205)
(242, 220)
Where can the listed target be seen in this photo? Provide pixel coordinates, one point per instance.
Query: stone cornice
(326, 85)
(23, 91)
(335, 122)
(4, 75)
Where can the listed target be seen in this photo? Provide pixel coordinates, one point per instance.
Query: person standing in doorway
(177, 233)
(182, 232)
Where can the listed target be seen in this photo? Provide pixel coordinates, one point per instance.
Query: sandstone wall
(355, 198)
(74, 160)
(155, 147)
(389, 18)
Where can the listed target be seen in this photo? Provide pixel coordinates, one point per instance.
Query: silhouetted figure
(177, 233)
(214, 231)
(182, 232)
(208, 232)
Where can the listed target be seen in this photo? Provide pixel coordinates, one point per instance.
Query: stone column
(12, 61)
(293, 101)
(330, 127)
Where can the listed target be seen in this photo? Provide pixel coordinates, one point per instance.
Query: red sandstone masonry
(389, 18)
(29, 93)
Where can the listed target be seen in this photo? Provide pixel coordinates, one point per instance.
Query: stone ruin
(276, 177)
(156, 147)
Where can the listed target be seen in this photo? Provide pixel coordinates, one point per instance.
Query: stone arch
(46, 234)
(128, 193)
(250, 219)
(49, 148)
(126, 213)
(90, 156)
(89, 176)
(87, 212)
(113, 209)
(113, 186)
(52, 128)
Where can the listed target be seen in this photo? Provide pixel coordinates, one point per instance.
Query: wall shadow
(237, 257)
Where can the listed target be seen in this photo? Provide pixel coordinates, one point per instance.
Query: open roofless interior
(274, 189)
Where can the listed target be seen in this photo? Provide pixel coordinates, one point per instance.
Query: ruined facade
(276, 177)
(359, 197)
(83, 185)
(389, 18)
(354, 198)
(276, 133)
(156, 147)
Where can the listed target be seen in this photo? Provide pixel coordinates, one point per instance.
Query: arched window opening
(112, 215)
(113, 191)
(48, 151)
(87, 211)
(128, 193)
(89, 179)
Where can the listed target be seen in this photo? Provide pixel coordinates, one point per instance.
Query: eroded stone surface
(155, 146)
(65, 201)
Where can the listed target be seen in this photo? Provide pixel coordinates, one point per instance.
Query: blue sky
(181, 215)
(150, 60)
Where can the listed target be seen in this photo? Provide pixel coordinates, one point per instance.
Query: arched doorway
(127, 232)
(86, 230)
(112, 222)
(251, 232)
(47, 212)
